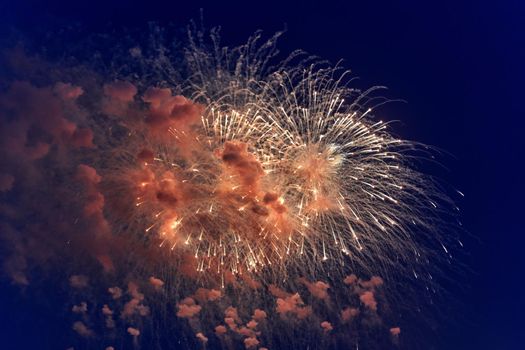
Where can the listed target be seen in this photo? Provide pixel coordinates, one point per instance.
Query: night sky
(459, 68)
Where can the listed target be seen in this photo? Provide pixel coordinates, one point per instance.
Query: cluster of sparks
(252, 188)
(284, 168)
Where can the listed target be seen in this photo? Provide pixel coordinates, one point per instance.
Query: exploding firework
(275, 170)
(246, 182)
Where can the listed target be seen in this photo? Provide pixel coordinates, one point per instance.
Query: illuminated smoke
(248, 199)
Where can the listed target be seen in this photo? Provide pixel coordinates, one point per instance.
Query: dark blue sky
(459, 66)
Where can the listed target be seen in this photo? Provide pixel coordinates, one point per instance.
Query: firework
(243, 200)
(274, 170)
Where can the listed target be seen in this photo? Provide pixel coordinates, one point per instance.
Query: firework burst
(275, 170)
(253, 196)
